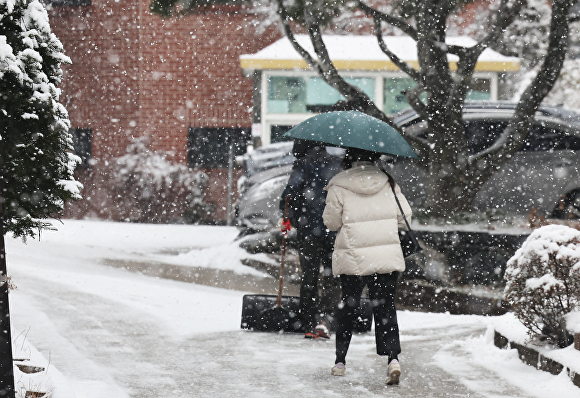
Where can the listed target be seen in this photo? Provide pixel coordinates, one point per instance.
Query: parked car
(258, 207)
(544, 174)
(267, 170)
(263, 159)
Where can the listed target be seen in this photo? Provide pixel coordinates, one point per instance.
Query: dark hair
(358, 155)
(347, 106)
(302, 147)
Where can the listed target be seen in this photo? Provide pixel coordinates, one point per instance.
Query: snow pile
(33, 373)
(543, 282)
(573, 321)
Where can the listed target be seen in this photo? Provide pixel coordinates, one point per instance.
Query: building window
(83, 144)
(394, 99)
(209, 147)
(480, 90)
(64, 3)
(295, 94)
(394, 88)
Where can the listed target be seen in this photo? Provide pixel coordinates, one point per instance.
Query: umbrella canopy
(355, 130)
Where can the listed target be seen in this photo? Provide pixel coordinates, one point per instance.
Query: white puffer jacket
(360, 205)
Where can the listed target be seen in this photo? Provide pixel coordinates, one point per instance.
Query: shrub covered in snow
(543, 282)
(149, 188)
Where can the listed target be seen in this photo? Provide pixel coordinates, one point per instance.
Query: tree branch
(331, 75)
(504, 17)
(413, 99)
(393, 21)
(290, 35)
(402, 65)
(317, 42)
(514, 135)
(465, 67)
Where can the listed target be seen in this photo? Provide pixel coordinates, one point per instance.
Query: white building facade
(287, 91)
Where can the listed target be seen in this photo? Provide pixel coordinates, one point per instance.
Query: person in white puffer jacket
(361, 206)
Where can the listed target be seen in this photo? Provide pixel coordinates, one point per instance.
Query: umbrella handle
(282, 257)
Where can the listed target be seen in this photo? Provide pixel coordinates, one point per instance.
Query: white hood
(363, 178)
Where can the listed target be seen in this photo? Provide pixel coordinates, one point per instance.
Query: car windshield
(480, 134)
(268, 157)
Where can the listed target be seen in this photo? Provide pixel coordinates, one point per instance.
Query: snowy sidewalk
(117, 333)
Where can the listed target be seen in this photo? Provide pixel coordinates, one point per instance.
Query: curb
(531, 357)
(423, 296)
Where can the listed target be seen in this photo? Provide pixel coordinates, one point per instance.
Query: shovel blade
(259, 312)
(256, 314)
(274, 320)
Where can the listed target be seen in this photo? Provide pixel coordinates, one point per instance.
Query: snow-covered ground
(105, 331)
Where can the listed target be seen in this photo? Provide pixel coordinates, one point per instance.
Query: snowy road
(116, 333)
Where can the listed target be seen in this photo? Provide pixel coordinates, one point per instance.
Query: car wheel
(569, 206)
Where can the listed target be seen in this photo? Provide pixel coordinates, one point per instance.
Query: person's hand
(285, 225)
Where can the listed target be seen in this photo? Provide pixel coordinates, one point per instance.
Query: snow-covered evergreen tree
(566, 92)
(36, 156)
(527, 37)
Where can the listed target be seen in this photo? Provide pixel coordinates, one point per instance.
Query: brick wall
(135, 74)
(100, 87)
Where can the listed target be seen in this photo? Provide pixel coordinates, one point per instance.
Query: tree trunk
(448, 171)
(6, 361)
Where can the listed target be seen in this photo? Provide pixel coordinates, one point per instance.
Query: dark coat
(310, 174)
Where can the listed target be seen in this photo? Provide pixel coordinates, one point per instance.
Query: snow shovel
(270, 313)
(257, 312)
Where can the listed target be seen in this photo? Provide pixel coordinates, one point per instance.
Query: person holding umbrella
(312, 170)
(361, 206)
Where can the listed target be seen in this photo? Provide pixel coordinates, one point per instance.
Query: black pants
(382, 289)
(315, 252)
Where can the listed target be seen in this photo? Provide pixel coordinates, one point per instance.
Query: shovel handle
(282, 257)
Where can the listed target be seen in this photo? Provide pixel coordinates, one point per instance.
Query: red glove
(286, 226)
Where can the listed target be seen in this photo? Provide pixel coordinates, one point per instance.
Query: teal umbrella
(355, 130)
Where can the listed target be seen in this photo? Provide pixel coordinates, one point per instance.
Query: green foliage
(163, 8)
(35, 160)
(407, 9)
(323, 10)
(169, 8)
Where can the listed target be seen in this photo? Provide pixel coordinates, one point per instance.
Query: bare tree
(455, 175)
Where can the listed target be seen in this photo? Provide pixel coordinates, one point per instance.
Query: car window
(479, 135)
(544, 138)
